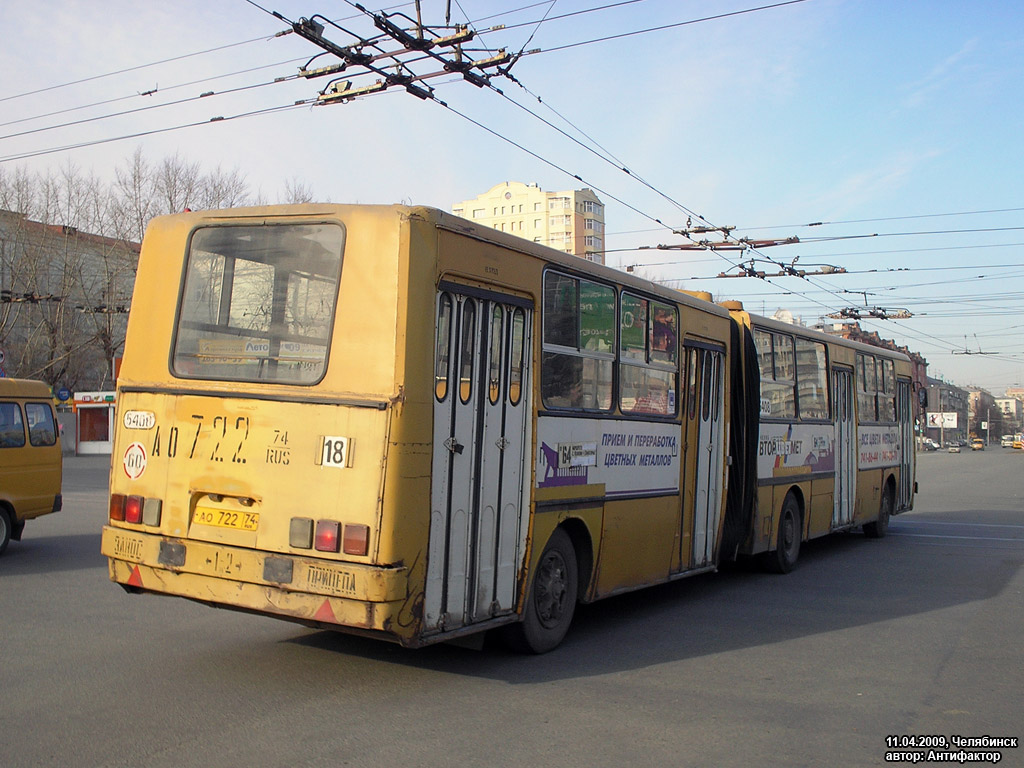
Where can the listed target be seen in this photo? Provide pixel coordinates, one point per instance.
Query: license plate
(227, 518)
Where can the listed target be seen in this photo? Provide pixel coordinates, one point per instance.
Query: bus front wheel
(551, 601)
(782, 559)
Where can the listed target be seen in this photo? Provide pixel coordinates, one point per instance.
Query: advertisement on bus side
(782, 446)
(626, 457)
(878, 446)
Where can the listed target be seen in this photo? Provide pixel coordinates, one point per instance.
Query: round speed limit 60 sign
(135, 460)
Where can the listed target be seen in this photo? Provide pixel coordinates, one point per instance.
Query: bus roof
(800, 330)
(469, 228)
(457, 224)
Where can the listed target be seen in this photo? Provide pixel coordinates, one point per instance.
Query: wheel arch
(583, 544)
(801, 502)
(889, 486)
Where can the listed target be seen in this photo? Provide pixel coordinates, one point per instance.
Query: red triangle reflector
(326, 613)
(135, 580)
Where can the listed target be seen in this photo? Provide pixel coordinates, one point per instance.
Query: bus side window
(866, 388)
(887, 391)
(777, 360)
(691, 387)
(515, 373)
(648, 344)
(466, 352)
(576, 367)
(443, 353)
(707, 388)
(812, 379)
(494, 367)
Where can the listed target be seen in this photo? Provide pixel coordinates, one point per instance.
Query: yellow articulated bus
(392, 421)
(835, 437)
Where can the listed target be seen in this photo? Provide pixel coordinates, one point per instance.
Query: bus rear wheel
(551, 601)
(783, 558)
(880, 527)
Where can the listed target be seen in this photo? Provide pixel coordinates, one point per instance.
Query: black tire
(5, 529)
(551, 600)
(783, 558)
(880, 527)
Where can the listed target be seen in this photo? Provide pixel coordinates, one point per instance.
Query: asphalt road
(917, 634)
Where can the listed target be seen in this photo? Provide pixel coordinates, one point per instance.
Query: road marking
(975, 525)
(946, 536)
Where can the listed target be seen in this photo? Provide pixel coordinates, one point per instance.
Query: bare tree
(177, 185)
(133, 198)
(296, 191)
(69, 250)
(17, 191)
(223, 189)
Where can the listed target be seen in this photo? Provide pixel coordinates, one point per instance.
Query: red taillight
(357, 539)
(326, 539)
(117, 502)
(133, 509)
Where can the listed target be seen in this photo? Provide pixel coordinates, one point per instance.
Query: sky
(886, 135)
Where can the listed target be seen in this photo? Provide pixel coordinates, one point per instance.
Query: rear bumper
(311, 591)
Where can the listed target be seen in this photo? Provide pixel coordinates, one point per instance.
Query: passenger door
(905, 416)
(845, 447)
(481, 409)
(705, 418)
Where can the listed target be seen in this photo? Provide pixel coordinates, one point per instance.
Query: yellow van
(30, 456)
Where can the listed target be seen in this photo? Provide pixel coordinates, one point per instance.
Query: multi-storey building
(948, 412)
(64, 299)
(571, 221)
(1013, 413)
(986, 419)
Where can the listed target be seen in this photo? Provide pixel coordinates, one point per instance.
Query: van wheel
(783, 558)
(880, 527)
(5, 529)
(551, 601)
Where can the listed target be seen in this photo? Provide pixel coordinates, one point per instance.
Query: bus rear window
(259, 303)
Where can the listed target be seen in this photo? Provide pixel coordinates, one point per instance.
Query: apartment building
(571, 221)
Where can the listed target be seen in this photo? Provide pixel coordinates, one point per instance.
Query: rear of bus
(260, 390)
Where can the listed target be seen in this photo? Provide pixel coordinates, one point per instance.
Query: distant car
(977, 444)
(927, 444)
(954, 448)
(1006, 441)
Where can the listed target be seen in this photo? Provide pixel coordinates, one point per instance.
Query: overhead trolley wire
(667, 26)
(158, 90)
(95, 142)
(146, 108)
(886, 218)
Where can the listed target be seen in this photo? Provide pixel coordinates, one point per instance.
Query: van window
(41, 429)
(12, 430)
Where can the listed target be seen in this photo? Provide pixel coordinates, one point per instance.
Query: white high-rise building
(571, 221)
